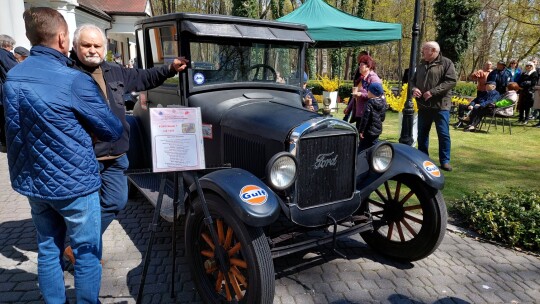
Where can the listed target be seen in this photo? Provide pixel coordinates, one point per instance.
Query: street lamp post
(408, 109)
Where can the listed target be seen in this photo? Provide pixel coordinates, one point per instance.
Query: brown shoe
(68, 254)
(446, 167)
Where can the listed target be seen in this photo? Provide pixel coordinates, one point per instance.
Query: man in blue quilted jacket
(53, 112)
(89, 49)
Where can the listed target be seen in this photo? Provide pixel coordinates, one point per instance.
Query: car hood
(271, 119)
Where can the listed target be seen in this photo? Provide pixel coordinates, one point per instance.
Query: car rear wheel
(409, 218)
(248, 261)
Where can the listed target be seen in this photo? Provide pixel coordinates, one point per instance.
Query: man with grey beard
(89, 49)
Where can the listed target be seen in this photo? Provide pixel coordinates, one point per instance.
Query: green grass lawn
(491, 161)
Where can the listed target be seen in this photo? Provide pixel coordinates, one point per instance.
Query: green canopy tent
(332, 28)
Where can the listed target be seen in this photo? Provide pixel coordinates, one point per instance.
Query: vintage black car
(279, 178)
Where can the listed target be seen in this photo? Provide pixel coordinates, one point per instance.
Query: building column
(12, 23)
(64, 7)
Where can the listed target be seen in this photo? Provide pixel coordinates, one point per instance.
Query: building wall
(120, 31)
(64, 7)
(12, 23)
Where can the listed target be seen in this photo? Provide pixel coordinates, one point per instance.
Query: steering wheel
(260, 68)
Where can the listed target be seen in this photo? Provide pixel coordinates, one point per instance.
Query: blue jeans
(80, 218)
(114, 191)
(426, 117)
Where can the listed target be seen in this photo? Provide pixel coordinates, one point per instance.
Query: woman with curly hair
(360, 95)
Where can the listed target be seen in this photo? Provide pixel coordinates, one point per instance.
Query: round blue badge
(198, 78)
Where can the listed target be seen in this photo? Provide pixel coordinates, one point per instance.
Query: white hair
(434, 45)
(6, 41)
(88, 26)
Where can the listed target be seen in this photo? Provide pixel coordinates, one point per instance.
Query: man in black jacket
(89, 43)
(7, 61)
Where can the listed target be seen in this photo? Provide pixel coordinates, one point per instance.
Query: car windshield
(213, 63)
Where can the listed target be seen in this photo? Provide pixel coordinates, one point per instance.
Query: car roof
(204, 25)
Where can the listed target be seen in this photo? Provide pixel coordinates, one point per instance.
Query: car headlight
(281, 171)
(381, 157)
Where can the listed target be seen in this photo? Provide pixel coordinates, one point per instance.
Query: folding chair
(504, 113)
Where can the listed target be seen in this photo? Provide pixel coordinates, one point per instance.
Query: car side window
(163, 47)
(163, 44)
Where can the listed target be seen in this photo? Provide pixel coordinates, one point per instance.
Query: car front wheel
(248, 262)
(409, 218)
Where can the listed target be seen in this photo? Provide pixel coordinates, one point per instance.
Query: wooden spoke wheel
(247, 260)
(409, 218)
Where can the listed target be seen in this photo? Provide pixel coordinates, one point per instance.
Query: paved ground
(462, 270)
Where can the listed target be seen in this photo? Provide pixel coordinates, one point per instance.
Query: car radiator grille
(326, 169)
(245, 154)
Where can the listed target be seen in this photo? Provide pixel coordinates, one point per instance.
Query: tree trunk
(346, 72)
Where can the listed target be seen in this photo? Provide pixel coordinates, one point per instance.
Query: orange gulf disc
(253, 195)
(431, 168)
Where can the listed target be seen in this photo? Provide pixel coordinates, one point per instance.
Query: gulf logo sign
(253, 195)
(431, 168)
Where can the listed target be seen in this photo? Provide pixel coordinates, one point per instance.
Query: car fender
(407, 160)
(242, 191)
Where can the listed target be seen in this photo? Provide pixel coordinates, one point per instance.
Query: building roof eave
(96, 13)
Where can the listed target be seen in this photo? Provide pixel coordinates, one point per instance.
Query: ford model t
(279, 178)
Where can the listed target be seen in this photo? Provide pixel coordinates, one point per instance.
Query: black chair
(504, 114)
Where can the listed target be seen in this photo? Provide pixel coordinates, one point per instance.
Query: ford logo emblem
(324, 160)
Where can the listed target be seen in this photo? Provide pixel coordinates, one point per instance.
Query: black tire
(409, 218)
(256, 281)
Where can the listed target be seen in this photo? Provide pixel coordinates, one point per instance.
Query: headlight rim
(271, 163)
(373, 153)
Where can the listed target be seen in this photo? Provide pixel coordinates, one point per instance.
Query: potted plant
(330, 87)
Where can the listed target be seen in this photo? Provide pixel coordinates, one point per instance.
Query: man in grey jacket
(432, 82)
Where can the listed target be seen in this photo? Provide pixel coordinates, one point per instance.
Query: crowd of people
(502, 87)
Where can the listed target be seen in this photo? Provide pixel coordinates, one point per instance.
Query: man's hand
(361, 135)
(307, 100)
(179, 64)
(427, 95)
(469, 107)
(416, 92)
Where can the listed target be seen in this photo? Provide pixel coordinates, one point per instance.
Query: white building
(116, 17)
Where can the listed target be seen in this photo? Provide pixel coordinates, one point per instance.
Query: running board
(148, 185)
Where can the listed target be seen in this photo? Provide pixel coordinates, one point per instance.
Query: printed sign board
(177, 140)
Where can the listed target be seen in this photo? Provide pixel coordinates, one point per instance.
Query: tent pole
(408, 109)
(339, 78)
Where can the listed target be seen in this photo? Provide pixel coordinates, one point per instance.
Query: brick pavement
(462, 270)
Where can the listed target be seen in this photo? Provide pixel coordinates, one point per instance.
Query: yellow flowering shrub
(327, 83)
(460, 100)
(397, 103)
